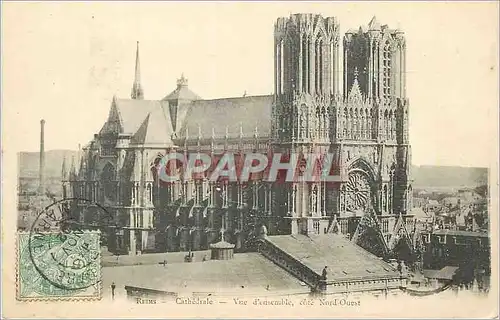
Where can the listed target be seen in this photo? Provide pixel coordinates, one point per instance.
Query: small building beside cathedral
(365, 128)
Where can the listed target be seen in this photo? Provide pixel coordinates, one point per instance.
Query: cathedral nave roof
(243, 114)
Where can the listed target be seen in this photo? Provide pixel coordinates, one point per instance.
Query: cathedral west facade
(365, 127)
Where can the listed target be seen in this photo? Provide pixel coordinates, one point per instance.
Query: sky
(63, 62)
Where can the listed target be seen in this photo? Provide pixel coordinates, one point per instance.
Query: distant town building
(468, 195)
(465, 249)
(432, 205)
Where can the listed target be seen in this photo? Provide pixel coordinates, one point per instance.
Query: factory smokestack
(41, 188)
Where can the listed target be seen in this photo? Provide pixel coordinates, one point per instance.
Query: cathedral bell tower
(375, 63)
(306, 77)
(306, 48)
(306, 54)
(378, 54)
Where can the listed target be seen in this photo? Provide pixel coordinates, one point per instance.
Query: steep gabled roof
(156, 129)
(133, 112)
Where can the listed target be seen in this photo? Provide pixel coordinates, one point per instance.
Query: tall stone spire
(137, 92)
(64, 172)
(72, 169)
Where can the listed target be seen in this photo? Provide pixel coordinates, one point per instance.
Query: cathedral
(365, 128)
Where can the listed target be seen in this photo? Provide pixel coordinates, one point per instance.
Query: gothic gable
(113, 123)
(401, 245)
(355, 97)
(369, 237)
(399, 233)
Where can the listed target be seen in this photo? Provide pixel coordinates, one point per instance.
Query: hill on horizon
(448, 176)
(28, 164)
(423, 175)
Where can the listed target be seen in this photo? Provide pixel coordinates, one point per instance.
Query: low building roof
(344, 259)
(462, 233)
(419, 213)
(246, 273)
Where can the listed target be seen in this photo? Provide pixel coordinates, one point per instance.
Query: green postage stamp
(58, 265)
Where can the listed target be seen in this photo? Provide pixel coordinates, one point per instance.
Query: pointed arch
(104, 164)
(361, 163)
(107, 179)
(385, 196)
(291, 30)
(363, 123)
(386, 70)
(320, 30)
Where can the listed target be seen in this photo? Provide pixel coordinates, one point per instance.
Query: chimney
(41, 188)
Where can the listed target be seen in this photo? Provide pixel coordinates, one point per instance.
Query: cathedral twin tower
(306, 53)
(307, 57)
(366, 127)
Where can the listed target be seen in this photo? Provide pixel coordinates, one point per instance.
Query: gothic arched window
(384, 199)
(389, 125)
(303, 51)
(386, 78)
(149, 188)
(108, 182)
(318, 67)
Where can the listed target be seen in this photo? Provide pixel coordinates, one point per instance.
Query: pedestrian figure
(113, 287)
(204, 258)
(324, 273)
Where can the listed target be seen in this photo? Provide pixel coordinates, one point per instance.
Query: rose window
(357, 192)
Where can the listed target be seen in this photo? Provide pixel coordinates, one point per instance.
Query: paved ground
(108, 260)
(122, 269)
(246, 273)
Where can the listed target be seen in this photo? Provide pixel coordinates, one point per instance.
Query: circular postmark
(64, 251)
